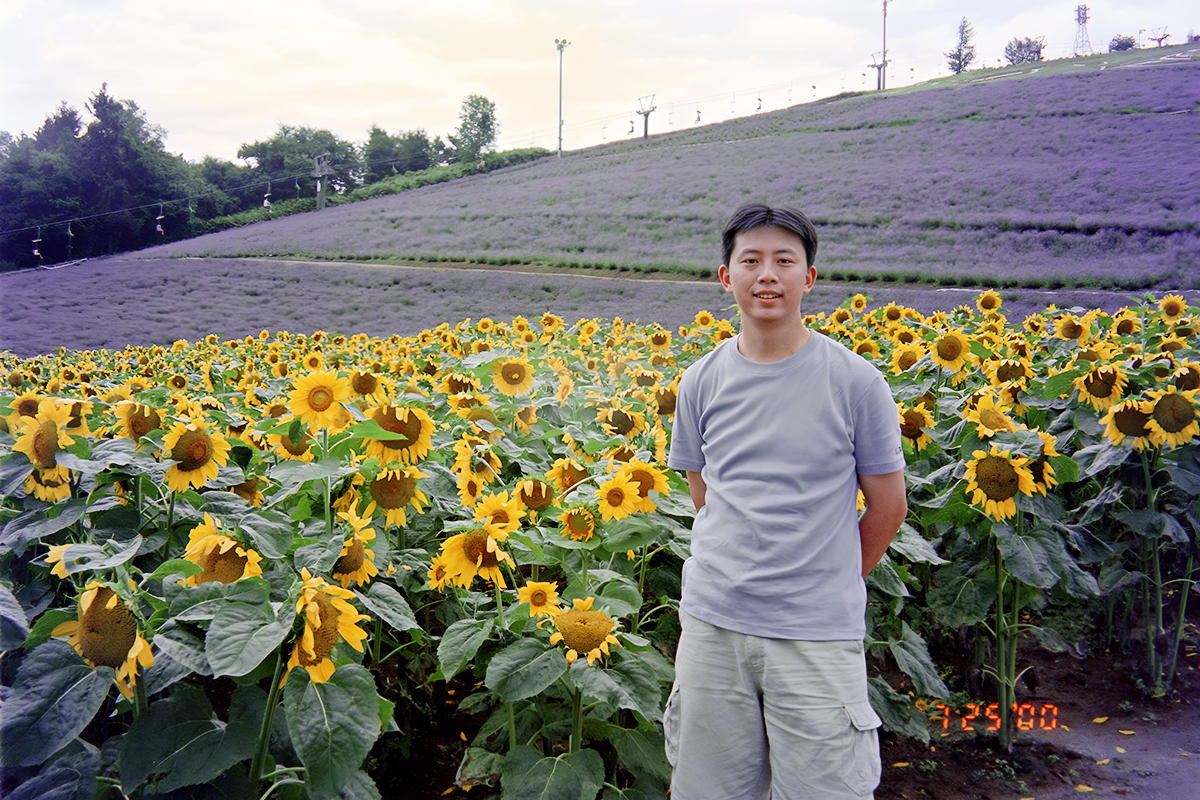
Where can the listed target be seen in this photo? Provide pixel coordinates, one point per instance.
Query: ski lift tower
(1159, 35)
(1083, 43)
(645, 106)
(321, 172)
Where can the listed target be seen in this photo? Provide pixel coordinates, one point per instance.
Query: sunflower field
(240, 568)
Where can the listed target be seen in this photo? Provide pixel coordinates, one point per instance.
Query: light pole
(883, 66)
(562, 45)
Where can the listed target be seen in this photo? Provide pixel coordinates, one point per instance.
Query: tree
(960, 57)
(1024, 51)
(385, 155)
(1120, 42)
(477, 128)
(290, 155)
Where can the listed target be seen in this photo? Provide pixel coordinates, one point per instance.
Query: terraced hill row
(1075, 173)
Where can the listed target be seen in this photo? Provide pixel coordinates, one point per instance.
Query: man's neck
(772, 343)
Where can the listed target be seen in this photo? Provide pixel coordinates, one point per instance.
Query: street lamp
(562, 45)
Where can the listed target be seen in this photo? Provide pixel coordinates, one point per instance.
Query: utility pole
(646, 106)
(321, 172)
(883, 66)
(561, 44)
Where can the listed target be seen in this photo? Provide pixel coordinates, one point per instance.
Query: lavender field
(1088, 177)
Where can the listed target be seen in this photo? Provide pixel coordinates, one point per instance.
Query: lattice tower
(1083, 43)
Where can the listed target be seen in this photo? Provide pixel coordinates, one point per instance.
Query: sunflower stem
(170, 514)
(139, 697)
(512, 726)
(499, 604)
(576, 721)
(328, 484)
(1181, 618)
(376, 638)
(264, 735)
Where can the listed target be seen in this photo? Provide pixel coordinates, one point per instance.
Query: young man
(777, 430)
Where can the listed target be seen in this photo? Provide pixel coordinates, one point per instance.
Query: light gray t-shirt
(775, 549)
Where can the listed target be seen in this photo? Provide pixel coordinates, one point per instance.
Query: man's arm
(697, 488)
(886, 508)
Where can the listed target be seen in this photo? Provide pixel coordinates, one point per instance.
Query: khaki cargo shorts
(759, 718)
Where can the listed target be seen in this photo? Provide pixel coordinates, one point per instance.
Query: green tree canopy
(477, 128)
(1024, 51)
(290, 155)
(963, 54)
(1120, 42)
(384, 154)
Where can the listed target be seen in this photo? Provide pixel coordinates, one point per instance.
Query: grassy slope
(1077, 172)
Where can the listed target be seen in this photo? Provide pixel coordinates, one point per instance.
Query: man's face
(768, 274)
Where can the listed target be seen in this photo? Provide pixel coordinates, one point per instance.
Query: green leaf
(178, 741)
(241, 636)
(184, 646)
(885, 578)
(959, 599)
(14, 625)
(523, 669)
(70, 774)
(360, 787)
(332, 725)
(619, 597)
(14, 471)
(33, 525)
(912, 545)
(319, 558)
(529, 776)
(174, 566)
(912, 654)
(390, 605)
(40, 631)
(897, 711)
(1026, 556)
(625, 684)
(1051, 639)
(270, 532)
(201, 603)
(459, 644)
(630, 533)
(642, 751)
(1061, 384)
(54, 697)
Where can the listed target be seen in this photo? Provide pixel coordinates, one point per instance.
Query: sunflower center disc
(320, 398)
(1173, 413)
(997, 478)
(45, 445)
(106, 634)
(192, 451)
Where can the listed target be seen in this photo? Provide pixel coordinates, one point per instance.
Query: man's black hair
(757, 215)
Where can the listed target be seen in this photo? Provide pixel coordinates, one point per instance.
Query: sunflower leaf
(459, 644)
(14, 625)
(72, 773)
(1027, 556)
(912, 655)
(959, 599)
(178, 741)
(523, 669)
(390, 605)
(332, 726)
(529, 776)
(54, 697)
(642, 751)
(20, 531)
(241, 636)
(624, 684)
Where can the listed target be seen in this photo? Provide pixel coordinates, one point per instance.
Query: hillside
(1072, 173)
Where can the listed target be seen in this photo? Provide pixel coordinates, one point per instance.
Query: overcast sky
(220, 73)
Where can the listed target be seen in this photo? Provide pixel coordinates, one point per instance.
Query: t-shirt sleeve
(687, 451)
(877, 443)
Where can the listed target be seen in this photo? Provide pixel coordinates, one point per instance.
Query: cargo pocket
(863, 772)
(671, 726)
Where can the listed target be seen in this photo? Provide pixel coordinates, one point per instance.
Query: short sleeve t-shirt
(775, 549)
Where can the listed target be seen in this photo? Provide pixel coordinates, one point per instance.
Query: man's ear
(723, 274)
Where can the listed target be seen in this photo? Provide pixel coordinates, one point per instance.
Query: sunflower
(995, 478)
(414, 427)
(293, 449)
(868, 348)
(1128, 419)
(512, 376)
(135, 420)
(618, 497)
(500, 513)
(250, 490)
(579, 521)
(1043, 473)
(1009, 370)
(327, 617)
(317, 398)
(989, 418)
(950, 350)
(1172, 307)
(913, 422)
(368, 385)
(1069, 327)
(988, 301)
(1186, 376)
(105, 633)
(199, 451)
(469, 489)
(1101, 386)
(439, 573)
(703, 319)
(474, 458)
(584, 631)
(619, 420)
(356, 564)
(1126, 323)
(475, 552)
(223, 559)
(905, 355)
(858, 303)
(536, 494)
(648, 479)
(542, 598)
(44, 434)
(392, 490)
(1173, 419)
